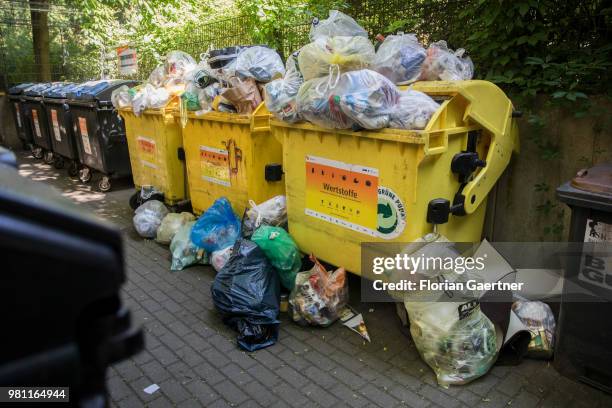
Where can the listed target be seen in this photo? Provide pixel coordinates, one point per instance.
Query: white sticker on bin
(18, 113)
(36, 124)
(84, 135)
(56, 129)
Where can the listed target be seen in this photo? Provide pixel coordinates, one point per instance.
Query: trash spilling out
(354, 321)
(272, 212)
(539, 319)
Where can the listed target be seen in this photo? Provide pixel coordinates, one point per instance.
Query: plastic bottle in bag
(316, 105)
(443, 64)
(337, 24)
(400, 58)
(413, 111)
(280, 94)
(262, 63)
(148, 217)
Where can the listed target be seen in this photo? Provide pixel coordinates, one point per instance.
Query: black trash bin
(22, 125)
(62, 271)
(37, 117)
(584, 331)
(59, 120)
(99, 132)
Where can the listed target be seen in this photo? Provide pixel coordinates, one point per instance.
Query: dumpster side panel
(38, 121)
(60, 127)
(265, 150)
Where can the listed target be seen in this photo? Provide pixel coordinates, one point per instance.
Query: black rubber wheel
(73, 169)
(85, 175)
(48, 157)
(135, 200)
(37, 152)
(104, 184)
(58, 162)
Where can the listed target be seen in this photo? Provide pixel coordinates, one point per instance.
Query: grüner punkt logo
(391, 214)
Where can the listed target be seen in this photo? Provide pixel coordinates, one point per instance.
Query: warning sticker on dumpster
(84, 135)
(18, 113)
(342, 193)
(56, 129)
(214, 164)
(148, 151)
(36, 124)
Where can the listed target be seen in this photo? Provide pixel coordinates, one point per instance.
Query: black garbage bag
(247, 294)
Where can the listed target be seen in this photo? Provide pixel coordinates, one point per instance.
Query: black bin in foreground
(99, 132)
(584, 332)
(59, 118)
(62, 270)
(22, 125)
(37, 117)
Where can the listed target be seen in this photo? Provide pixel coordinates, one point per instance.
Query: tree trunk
(40, 38)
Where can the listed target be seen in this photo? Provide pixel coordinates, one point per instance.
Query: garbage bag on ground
(170, 225)
(178, 64)
(271, 212)
(459, 347)
(282, 252)
(539, 318)
(400, 58)
(217, 228)
(219, 258)
(121, 97)
(261, 63)
(443, 64)
(413, 111)
(247, 294)
(281, 94)
(347, 53)
(315, 104)
(148, 217)
(318, 295)
(336, 24)
(243, 94)
(184, 252)
(367, 98)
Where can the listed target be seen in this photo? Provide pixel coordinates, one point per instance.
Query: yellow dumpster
(232, 155)
(154, 141)
(345, 187)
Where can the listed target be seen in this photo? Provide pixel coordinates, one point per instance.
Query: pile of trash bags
(339, 80)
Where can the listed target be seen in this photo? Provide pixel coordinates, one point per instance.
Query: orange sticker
(56, 129)
(36, 124)
(84, 135)
(148, 151)
(214, 164)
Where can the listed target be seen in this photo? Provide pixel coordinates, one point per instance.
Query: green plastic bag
(281, 251)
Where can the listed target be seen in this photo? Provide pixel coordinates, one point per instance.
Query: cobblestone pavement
(193, 357)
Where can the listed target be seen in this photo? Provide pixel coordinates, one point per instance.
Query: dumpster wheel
(58, 162)
(73, 169)
(85, 175)
(37, 152)
(48, 157)
(104, 184)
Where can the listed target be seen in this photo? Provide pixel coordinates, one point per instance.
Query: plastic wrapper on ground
(170, 226)
(217, 228)
(443, 64)
(148, 217)
(400, 58)
(282, 252)
(261, 63)
(336, 24)
(246, 292)
(319, 57)
(413, 111)
(271, 212)
(539, 318)
(184, 252)
(280, 94)
(318, 296)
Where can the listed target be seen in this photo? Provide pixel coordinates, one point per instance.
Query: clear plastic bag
(443, 64)
(149, 97)
(148, 217)
(314, 104)
(458, 348)
(336, 24)
(184, 252)
(400, 58)
(158, 77)
(318, 295)
(347, 53)
(207, 96)
(539, 318)
(178, 64)
(202, 75)
(121, 97)
(219, 258)
(280, 94)
(271, 212)
(413, 111)
(170, 225)
(261, 63)
(217, 228)
(367, 98)
(282, 252)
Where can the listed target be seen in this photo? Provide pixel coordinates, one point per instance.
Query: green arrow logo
(387, 218)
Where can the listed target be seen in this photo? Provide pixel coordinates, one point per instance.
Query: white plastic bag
(347, 53)
(178, 64)
(413, 111)
(280, 95)
(262, 63)
(149, 97)
(271, 212)
(170, 225)
(336, 24)
(121, 97)
(184, 252)
(148, 217)
(158, 77)
(400, 58)
(443, 64)
(219, 258)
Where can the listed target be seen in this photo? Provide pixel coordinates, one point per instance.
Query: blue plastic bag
(247, 294)
(217, 228)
